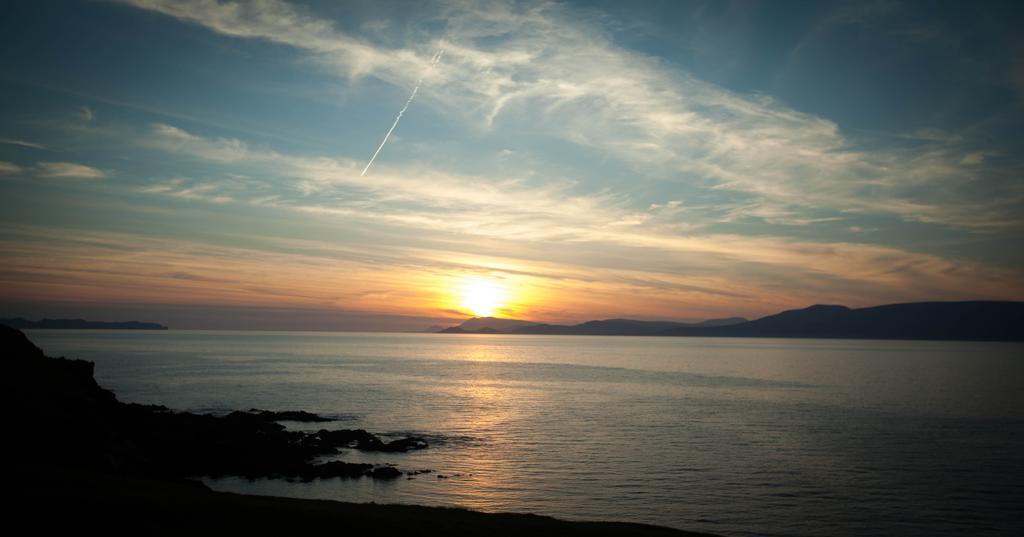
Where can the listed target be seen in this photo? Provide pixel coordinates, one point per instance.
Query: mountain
(79, 324)
(461, 330)
(494, 323)
(722, 322)
(610, 327)
(965, 321)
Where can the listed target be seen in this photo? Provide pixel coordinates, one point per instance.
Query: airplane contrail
(433, 62)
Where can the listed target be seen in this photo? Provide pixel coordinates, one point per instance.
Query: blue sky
(678, 160)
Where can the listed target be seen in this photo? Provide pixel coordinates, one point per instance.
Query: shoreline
(82, 459)
(141, 506)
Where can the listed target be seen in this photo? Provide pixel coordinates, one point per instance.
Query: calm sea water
(730, 436)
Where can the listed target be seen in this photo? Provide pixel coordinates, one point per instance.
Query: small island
(78, 324)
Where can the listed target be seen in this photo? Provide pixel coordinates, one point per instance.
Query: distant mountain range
(962, 321)
(610, 327)
(493, 323)
(79, 324)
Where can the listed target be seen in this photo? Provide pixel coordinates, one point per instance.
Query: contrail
(433, 62)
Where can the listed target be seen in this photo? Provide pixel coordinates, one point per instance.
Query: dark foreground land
(79, 460)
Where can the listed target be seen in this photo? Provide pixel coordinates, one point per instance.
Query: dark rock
(339, 469)
(55, 402)
(350, 438)
(405, 444)
(289, 415)
(385, 472)
(365, 441)
(64, 415)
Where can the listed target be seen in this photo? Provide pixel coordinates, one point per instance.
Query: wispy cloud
(707, 276)
(86, 114)
(9, 168)
(181, 187)
(69, 170)
(546, 62)
(610, 240)
(648, 212)
(171, 138)
(281, 22)
(393, 191)
(22, 143)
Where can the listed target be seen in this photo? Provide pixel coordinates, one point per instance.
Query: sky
(200, 163)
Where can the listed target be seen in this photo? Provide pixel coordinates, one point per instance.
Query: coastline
(138, 506)
(77, 464)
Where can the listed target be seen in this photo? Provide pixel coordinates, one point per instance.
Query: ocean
(734, 437)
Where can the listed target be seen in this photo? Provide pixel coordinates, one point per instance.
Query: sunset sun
(481, 297)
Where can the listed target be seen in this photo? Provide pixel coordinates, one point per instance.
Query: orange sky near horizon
(126, 268)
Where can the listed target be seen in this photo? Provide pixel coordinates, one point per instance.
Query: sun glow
(482, 297)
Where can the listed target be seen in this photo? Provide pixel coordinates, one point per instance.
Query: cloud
(553, 236)
(549, 63)
(173, 139)
(718, 160)
(695, 276)
(185, 188)
(409, 193)
(21, 143)
(9, 168)
(282, 23)
(69, 170)
(977, 157)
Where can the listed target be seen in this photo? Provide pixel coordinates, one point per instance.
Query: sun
(482, 297)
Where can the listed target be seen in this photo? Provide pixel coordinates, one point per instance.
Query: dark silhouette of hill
(79, 324)
(494, 323)
(609, 327)
(965, 321)
(461, 330)
(620, 327)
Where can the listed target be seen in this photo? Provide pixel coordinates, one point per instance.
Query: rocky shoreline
(76, 451)
(253, 445)
(153, 440)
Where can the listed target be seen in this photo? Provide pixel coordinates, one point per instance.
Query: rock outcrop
(62, 415)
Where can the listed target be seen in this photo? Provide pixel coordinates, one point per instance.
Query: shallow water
(730, 436)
